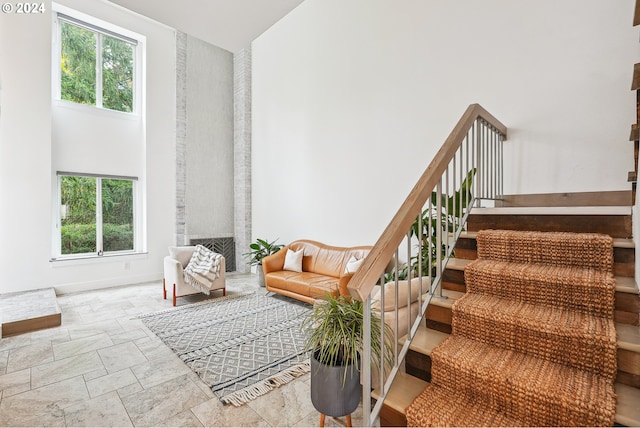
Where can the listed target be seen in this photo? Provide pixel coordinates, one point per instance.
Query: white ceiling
(229, 24)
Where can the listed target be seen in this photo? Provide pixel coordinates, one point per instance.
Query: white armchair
(174, 264)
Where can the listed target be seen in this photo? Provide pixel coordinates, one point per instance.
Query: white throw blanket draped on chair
(203, 269)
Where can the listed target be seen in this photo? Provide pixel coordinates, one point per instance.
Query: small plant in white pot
(259, 250)
(336, 336)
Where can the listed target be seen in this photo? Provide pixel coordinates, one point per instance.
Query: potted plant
(336, 336)
(259, 250)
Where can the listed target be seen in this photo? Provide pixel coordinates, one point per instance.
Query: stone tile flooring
(103, 367)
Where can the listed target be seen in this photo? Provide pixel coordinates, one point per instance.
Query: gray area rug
(241, 346)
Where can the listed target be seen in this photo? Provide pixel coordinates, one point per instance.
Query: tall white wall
(26, 160)
(351, 99)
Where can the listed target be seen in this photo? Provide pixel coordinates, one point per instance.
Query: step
(589, 342)
(426, 339)
(623, 284)
(535, 391)
(627, 409)
(27, 311)
(628, 412)
(438, 313)
(577, 210)
(403, 391)
(617, 242)
(623, 252)
(437, 406)
(406, 388)
(610, 220)
(628, 354)
(567, 287)
(627, 295)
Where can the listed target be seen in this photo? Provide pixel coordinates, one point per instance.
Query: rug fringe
(243, 396)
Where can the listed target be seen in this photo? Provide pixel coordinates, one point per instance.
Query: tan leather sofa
(323, 270)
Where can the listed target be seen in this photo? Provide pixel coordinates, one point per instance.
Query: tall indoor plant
(336, 336)
(259, 250)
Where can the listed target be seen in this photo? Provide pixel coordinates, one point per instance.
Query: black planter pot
(328, 394)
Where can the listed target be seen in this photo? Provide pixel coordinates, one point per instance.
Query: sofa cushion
(390, 294)
(293, 260)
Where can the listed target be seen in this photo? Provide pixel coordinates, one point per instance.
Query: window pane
(77, 64)
(78, 214)
(117, 214)
(117, 74)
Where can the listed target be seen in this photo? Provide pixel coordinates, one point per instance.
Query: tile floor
(103, 367)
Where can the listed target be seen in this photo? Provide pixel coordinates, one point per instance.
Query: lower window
(97, 214)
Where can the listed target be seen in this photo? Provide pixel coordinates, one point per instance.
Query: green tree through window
(82, 53)
(85, 224)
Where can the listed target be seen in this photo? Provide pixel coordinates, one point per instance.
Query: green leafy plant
(336, 333)
(453, 208)
(261, 249)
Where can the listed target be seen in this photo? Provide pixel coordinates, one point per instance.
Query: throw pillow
(293, 260)
(353, 264)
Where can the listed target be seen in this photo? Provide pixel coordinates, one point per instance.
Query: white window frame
(137, 226)
(95, 25)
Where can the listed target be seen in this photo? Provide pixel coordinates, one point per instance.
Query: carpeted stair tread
(532, 390)
(555, 334)
(436, 406)
(585, 289)
(589, 250)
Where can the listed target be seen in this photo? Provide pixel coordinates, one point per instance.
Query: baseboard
(106, 283)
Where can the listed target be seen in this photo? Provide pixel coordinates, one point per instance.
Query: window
(97, 66)
(96, 214)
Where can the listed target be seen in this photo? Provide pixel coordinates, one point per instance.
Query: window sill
(98, 111)
(74, 260)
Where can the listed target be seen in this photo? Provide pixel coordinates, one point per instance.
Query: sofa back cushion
(325, 259)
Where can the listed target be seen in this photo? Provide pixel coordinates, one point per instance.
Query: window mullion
(99, 70)
(99, 236)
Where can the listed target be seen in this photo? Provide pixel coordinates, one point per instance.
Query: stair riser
(617, 226)
(623, 258)
(418, 365)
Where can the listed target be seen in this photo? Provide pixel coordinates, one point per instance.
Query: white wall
(352, 99)
(26, 156)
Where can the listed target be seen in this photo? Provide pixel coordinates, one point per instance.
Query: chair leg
(224, 291)
(349, 420)
(321, 419)
(174, 295)
(164, 288)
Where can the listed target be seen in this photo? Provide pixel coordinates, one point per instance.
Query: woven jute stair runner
(533, 341)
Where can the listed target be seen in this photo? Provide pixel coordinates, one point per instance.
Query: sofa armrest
(343, 282)
(274, 262)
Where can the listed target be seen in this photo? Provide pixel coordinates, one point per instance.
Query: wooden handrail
(369, 273)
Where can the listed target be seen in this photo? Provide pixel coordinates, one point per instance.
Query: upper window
(97, 66)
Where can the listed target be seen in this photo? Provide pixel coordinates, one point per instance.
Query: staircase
(613, 220)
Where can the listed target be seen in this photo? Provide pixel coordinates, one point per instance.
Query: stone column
(242, 155)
